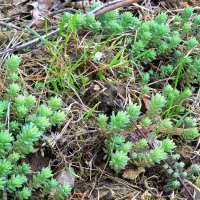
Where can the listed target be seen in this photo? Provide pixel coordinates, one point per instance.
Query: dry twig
(113, 5)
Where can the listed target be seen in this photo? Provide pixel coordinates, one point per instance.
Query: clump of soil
(108, 96)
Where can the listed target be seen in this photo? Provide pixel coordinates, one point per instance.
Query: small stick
(10, 25)
(31, 42)
(113, 5)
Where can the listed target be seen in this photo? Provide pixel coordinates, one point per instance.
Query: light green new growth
(168, 145)
(154, 156)
(62, 191)
(41, 178)
(12, 63)
(157, 103)
(54, 103)
(149, 41)
(190, 134)
(133, 110)
(172, 186)
(139, 152)
(146, 122)
(141, 144)
(119, 160)
(102, 121)
(119, 122)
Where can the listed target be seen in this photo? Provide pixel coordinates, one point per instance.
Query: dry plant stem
(10, 25)
(192, 185)
(184, 185)
(71, 10)
(31, 42)
(113, 5)
(5, 194)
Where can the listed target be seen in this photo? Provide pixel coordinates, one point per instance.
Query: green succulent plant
(20, 135)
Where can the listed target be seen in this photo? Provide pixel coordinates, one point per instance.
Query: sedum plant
(153, 39)
(157, 148)
(175, 169)
(121, 151)
(22, 125)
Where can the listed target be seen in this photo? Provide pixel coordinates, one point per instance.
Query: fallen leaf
(35, 11)
(98, 56)
(146, 100)
(39, 12)
(131, 197)
(132, 174)
(151, 138)
(146, 196)
(184, 4)
(66, 177)
(45, 4)
(9, 11)
(96, 87)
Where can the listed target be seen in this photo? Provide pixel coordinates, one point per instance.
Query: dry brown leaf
(9, 11)
(146, 100)
(39, 12)
(146, 196)
(184, 4)
(132, 174)
(131, 197)
(65, 177)
(45, 4)
(174, 131)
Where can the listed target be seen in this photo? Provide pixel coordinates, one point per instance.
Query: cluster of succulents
(150, 151)
(174, 169)
(22, 125)
(153, 39)
(23, 121)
